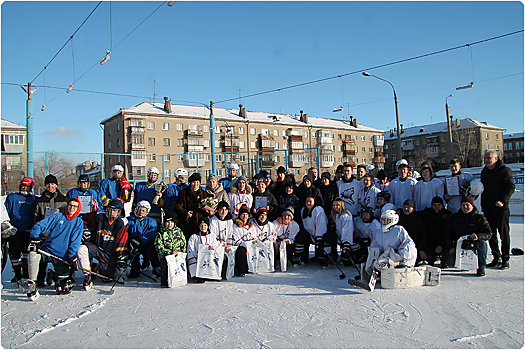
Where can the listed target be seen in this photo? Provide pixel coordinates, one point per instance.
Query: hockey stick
(113, 256)
(80, 268)
(124, 270)
(358, 277)
(342, 275)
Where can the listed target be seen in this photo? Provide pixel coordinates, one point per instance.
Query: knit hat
(242, 177)
(411, 203)
(290, 211)
(205, 220)
(50, 179)
(326, 174)
(467, 199)
(437, 199)
(281, 170)
(169, 216)
(195, 177)
(268, 176)
(223, 204)
(244, 209)
(261, 211)
(339, 168)
(212, 176)
(309, 178)
(382, 174)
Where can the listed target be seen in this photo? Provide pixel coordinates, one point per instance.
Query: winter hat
(281, 170)
(382, 174)
(205, 220)
(264, 173)
(267, 176)
(411, 203)
(467, 199)
(223, 204)
(169, 216)
(309, 178)
(195, 177)
(244, 209)
(290, 211)
(339, 168)
(50, 179)
(212, 176)
(437, 199)
(326, 174)
(261, 211)
(242, 177)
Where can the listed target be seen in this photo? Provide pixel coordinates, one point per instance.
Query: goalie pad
(410, 277)
(466, 259)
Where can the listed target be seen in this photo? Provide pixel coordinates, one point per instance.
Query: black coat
(461, 224)
(273, 211)
(498, 185)
(435, 226)
(329, 193)
(304, 192)
(189, 200)
(415, 226)
(286, 201)
(54, 200)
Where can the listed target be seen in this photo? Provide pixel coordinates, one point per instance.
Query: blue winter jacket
(19, 208)
(226, 183)
(143, 231)
(75, 192)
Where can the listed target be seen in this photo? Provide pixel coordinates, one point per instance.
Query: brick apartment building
(513, 148)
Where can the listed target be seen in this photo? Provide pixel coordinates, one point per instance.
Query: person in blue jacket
(173, 190)
(232, 178)
(83, 189)
(141, 232)
(146, 191)
(64, 233)
(116, 187)
(19, 208)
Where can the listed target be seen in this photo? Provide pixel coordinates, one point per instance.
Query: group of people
(415, 220)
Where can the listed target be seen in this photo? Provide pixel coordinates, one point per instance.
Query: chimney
(391, 132)
(167, 105)
(305, 118)
(355, 123)
(351, 120)
(240, 110)
(458, 123)
(402, 130)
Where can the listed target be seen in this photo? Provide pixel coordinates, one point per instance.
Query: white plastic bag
(283, 257)
(260, 257)
(231, 262)
(177, 273)
(209, 262)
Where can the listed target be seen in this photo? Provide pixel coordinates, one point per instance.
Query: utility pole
(449, 129)
(212, 140)
(29, 129)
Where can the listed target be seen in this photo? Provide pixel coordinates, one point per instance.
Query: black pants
(241, 261)
(163, 272)
(498, 219)
(148, 250)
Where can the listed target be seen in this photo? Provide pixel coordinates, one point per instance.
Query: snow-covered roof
(6, 124)
(233, 115)
(441, 127)
(515, 135)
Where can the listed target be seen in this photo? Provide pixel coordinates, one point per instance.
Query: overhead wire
(371, 68)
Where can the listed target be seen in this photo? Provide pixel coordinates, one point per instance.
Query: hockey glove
(73, 261)
(8, 230)
(319, 247)
(124, 184)
(134, 246)
(34, 244)
(122, 262)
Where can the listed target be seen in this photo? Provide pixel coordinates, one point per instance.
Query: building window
(486, 136)
(109, 146)
(206, 143)
(442, 138)
(364, 149)
(252, 131)
(218, 157)
(355, 137)
(118, 125)
(165, 126)
(167, 158)
(497, 147)
(180, 127)
(217, 129)
(109, 131)
(138, 170)
(180, 157)
(242, 158)
(386, 147)
(283, 132)
(265, 132)
(152, 157)
(241, 130)
(362, 138)
(241, 144)
(443, 160)
(252, 144)
(339, 136)
(364, 160)
(339, 148)
(206, 128)
(370, 140)
(497, 136)
(277, 145)
(217, 144)
(118, 142)
(132, 122)
(151, 141)
(151, 125)
(276, 133)
(306, 134)
(371, 150)
(219, 172)
(165, 141)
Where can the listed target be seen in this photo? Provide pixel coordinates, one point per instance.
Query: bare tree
(465, 141)
(56, 165)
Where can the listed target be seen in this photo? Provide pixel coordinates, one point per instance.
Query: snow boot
(63, 286)
(88, 282)
(32, 290)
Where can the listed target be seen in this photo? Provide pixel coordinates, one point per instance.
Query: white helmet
(369, 168)
(233, 166)
(180, 172)
(475, 188)
(388, 219)
(153, 170)
(117, 167)
(142, 204)
(401, 161)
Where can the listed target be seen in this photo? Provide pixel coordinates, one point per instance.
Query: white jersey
(262, 233)
(286, 231)
(366, 230)
(425, 191)
(398, 239)
(401, 191)
(349, 193)
(368, 197)
(237, 199)
(241, 235)
(382, 187)
(193, 248)
(378, 212)
(316, 224)
(454, 203)
(344, 227)
(222, 230)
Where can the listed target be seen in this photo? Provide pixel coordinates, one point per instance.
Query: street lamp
(449, 129)
(398, 143)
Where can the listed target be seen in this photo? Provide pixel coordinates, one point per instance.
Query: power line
(370, 68)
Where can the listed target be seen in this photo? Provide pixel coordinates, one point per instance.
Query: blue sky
(202, 51)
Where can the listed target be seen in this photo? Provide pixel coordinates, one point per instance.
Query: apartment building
(470, 138)
(513, 148)
(172, 136)
(14, 158)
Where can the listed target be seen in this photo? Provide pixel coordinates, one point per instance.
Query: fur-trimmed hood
(239, 222)
(233, 188)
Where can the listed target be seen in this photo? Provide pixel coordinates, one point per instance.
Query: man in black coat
(306, 189)
(436, 218)
(329, 192)
(271, 203)
(499, 186)
(415, 226)
(468, 221)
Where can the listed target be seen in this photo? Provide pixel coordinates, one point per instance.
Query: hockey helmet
(386, 195)
(369, 168)
(117, 167)
(388, 219)
(153, 170)
(475, 188)
(370, 211)
(180, 172)
(27, 181)
(142, 204)
(401, 162)
(233, 166)
(114, 204)
(83, 178)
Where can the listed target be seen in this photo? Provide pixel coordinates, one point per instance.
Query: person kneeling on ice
(366, 227)
(168, 241)
(468, 221)
(64, 233)
(204, 237)
(286, 230)
(221, 226)
(313, 230)
(396, 248)
(241, 234)
(108, 243)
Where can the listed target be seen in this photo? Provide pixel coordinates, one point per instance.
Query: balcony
(379, 154)
(136, 129)
(267, 163)
(191, 160)
(136, 145)
(379, 140)
(296, 151)
(295, 132)
(409, 147)
(195, 133)
(348, 153)
(230, 149)
(327, 161)
(194, 148)
(296, 160)
(379, 160)
(267, 143)
(296, 138)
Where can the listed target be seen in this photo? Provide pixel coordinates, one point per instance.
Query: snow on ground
(305, 307)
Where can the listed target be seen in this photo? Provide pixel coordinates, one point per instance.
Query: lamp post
(449, 129)
(398, 142)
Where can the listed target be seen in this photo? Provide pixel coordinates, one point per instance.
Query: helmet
(475, 188)
(369, 211)
(142, 204)
(117, 167)
(369, 168)
(388, 219)
(233, 166)
(153, 170)
(180, 172)
(83, 178)
(27, 181)
(385, 194)
(115, 204)
(401, 162)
